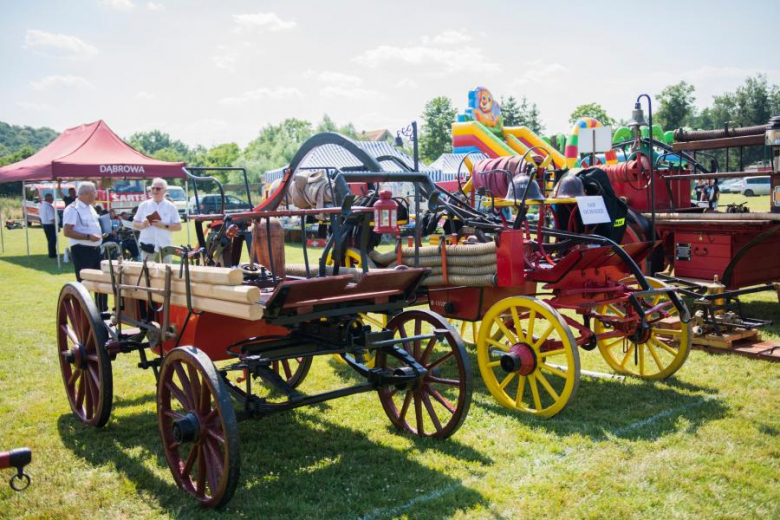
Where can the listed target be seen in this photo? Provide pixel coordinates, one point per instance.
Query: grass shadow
(39, 263)
(604, 408)
(293, 465)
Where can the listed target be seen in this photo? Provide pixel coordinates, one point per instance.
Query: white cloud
(331, 91)
(268, 21)
(450, 38)
(155, 7)
(406, 84)
(119, 5)
(144, 96)
(35, 107)
(446, 59)
(539, 71)
(342, 80)
(277, 93)
(76, 82)
(227, 60)
(58, 44)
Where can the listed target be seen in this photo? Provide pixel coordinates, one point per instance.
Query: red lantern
(385, 214)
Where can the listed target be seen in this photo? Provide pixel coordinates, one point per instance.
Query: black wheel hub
(186, 429)
(77, 356)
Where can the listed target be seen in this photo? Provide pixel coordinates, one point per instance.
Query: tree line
(751, 103)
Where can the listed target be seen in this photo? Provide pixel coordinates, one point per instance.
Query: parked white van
(751, 186)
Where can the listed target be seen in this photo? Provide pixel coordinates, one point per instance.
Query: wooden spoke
(74, 376)
(187, 393)
(507, 380)
(441, 360)
(418, 413)
(496, 344)
(431, 412)
(543, 337)
(190, 462)
(200, 491)
(664, 346)
(443, 381)
(531, 322)
(179, 395)
(493, 364)
(554, 370)
(71, 334)
(546, 384)
(550, 353)
(628, 355)
(216, 435)
(507, 333)
(520, 391)
(654, 355)
(535, 392)
(620, 340)
(426, 355)
(441, 399)
(405, 406)
(417, 342)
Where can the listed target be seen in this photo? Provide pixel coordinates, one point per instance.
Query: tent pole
(24, 213)
(2, 238)
(57, 234)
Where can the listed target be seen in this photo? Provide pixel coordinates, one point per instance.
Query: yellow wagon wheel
(351, 259)
(660, 351)
(527, 356)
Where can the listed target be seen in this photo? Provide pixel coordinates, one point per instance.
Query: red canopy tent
(89, 151)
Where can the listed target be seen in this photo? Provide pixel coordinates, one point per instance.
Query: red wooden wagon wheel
(84, 362)
(198, 427)
(440, 403)
(292, 370)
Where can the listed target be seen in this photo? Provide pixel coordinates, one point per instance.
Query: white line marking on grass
(665, 413)
(378, 513)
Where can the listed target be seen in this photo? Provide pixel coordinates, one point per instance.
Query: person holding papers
(157, 218)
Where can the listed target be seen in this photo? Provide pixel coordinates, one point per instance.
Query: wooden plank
(231, 293)
(242, 311)
(727, 340)
(198, 273)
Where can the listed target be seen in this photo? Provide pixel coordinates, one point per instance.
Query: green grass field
(703, 444)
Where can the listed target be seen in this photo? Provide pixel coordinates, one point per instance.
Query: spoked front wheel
(528, 357)
(439, 404)
(84, 361)
(198, 427)
(292, 370)
(656, 353)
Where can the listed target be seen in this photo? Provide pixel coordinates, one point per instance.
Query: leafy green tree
(328, 125)
(13, 138)
(14, 188)
(436, 132)
(154, 141)
(510, 110)
(591, 110)
(521, 114)
(529, 116)
(676, 108)
(222, 155)
(273, 148)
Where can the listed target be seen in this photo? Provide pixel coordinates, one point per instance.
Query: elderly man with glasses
(157, 218)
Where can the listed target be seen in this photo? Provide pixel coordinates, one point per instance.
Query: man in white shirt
(157, 218)
(47, 215)
(80, 224)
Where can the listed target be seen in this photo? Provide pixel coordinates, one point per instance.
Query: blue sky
(209, 72)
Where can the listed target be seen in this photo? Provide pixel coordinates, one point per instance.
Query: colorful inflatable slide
(480, 129)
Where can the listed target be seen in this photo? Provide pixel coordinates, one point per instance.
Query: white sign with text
(593, 210)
